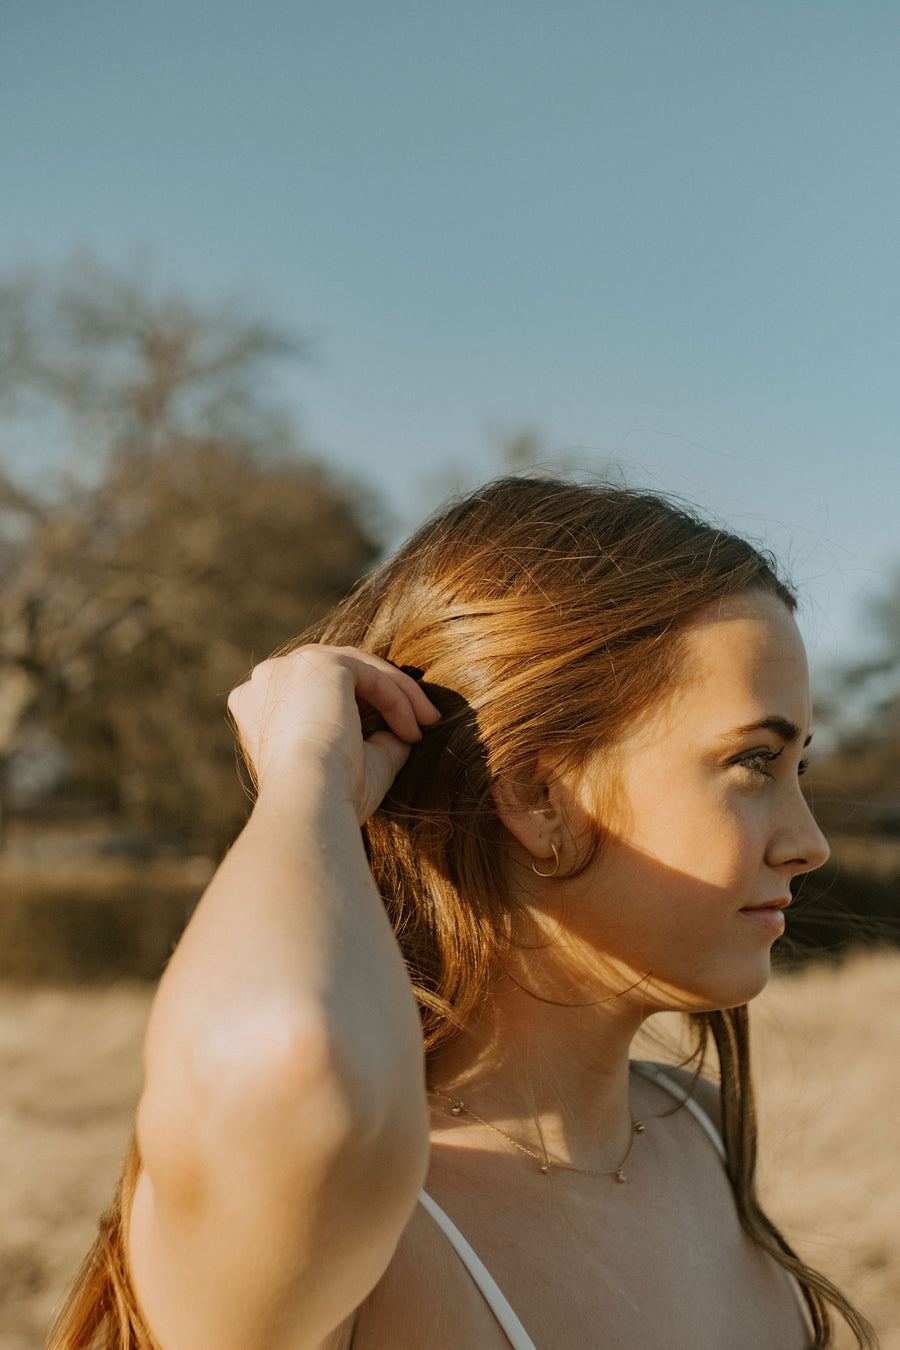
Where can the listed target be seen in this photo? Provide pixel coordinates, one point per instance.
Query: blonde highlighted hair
(543, 617)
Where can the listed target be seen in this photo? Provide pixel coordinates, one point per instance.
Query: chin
(730, 990)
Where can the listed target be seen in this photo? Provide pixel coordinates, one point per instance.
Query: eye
(756, 761)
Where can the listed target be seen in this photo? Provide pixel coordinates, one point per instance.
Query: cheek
(691, 845)
(678, 822)
(668, 819)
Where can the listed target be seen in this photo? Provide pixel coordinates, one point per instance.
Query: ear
(532, 812)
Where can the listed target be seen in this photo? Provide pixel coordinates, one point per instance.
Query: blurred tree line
(855, 791)
(162, 526)
(178, 532)
(858, 783)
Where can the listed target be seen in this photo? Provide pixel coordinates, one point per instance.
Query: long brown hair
(543, 617)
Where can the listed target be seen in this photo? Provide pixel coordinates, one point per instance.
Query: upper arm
(268, 1224)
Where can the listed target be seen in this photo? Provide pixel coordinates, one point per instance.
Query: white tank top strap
(494, 1297)
(657, 1074)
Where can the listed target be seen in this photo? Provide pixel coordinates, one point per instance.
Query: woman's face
(707, 823)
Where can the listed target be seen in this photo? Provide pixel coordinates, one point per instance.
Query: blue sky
(663, 234)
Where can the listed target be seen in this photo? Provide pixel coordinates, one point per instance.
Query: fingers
(426, 713)
(346, 708)
(393, 754)
(395, 696)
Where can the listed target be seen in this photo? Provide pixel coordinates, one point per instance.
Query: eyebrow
(788, 731)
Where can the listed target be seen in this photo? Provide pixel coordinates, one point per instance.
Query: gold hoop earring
(555, 864)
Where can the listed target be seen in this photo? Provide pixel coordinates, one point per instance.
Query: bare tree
(185, 536)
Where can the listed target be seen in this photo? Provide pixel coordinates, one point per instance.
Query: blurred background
(273, 282)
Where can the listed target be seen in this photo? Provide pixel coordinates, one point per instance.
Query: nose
(799, 844)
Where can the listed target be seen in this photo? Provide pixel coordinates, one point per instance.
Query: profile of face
(704, 820)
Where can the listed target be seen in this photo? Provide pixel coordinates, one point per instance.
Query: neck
(547, 1064)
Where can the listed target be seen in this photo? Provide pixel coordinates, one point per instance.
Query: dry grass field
(828, 1069)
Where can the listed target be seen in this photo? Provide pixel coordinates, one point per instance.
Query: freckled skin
(700, 827)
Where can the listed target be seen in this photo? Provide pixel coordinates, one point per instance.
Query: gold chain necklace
(543, 1160)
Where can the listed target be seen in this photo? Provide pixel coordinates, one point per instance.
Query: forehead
(744, 659)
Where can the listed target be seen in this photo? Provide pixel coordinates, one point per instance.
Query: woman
(571, 722)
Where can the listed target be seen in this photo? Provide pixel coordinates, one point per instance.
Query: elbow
(281, 1095)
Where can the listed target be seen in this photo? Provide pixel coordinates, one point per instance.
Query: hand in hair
(310, 706)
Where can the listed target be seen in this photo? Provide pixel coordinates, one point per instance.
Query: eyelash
(754, 761)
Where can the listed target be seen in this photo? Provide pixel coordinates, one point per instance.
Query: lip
(769, 915)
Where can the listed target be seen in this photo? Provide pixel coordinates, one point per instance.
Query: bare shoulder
(701, 1090)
